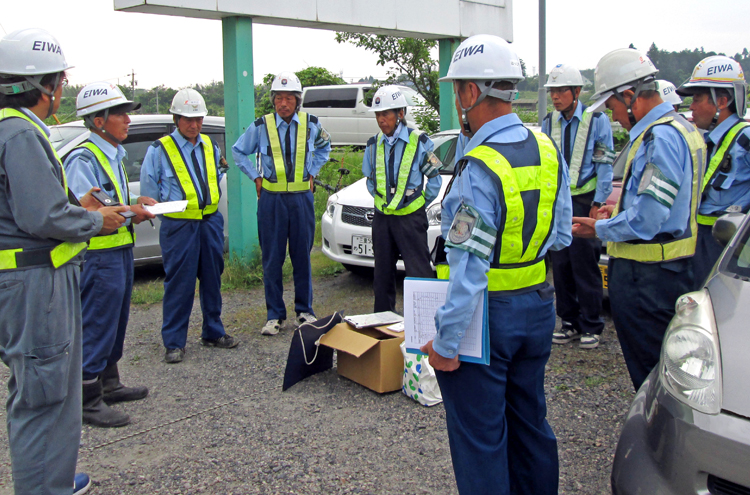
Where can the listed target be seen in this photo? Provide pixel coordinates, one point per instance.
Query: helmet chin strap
(90, 120)
(36, 82)
(501, 94)
(715, 119)
(640, 85)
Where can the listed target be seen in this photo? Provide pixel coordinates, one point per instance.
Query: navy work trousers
(707, 252)
(393, 235)
(499, 437)
(106, 286)
(286, 218)
(642, 297)
(191, 249)
(578, 280)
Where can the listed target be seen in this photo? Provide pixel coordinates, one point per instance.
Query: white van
(344, 111)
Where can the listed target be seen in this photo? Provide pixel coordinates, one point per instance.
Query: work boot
(114, 391)
(96, 412)
(226, 341)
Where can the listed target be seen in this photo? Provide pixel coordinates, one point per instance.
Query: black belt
(34, 257)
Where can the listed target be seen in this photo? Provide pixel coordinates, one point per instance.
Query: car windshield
(739, 263)
(445, 149)
(63, 134)
(618, 167)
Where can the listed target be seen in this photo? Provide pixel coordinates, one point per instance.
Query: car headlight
(690, 360)
(331, 205)
(434, 212)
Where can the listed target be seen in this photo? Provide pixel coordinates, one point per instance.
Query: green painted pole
(239, 113)
(448, 117)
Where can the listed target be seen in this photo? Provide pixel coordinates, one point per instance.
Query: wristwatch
(597, 204)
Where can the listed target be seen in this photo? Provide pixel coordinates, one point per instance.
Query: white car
(347, 221)
(144, 130)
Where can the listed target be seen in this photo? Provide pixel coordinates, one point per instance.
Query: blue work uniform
(575, 269)
(107, 275)
(499, 436)
(190, 248)
(395, 234)
(643, 294)
(40, 308)
(284, 217)
(728, 190)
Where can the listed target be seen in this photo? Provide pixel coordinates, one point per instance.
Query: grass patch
(150, 292)
(241, 274)
(322, 266)
(594, 381)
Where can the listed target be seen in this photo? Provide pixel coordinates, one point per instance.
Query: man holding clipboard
(497, 236)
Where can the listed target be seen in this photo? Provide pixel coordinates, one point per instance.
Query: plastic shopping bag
(420, 382)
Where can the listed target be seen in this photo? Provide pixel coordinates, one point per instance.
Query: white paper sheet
(373, 319)
(167, 207)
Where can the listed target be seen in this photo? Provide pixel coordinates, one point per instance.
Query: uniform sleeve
(151, 174)
(604, 155)
(433, 184)
(37, 199)
(662, 175)
(245, 146)
(368, 170)
(321, 148)
(219, 172)
(562, 235)
(79, 170)
(468, 272)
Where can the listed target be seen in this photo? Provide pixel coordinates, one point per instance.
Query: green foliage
(240, 274)
(407, 59)
(426, 118)
(621, 139)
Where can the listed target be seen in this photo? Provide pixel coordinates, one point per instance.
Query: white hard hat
(98, 96)
(286, 81)
(563, 75)
(31, 52)
(619, 70)
(484, 57)
(388, 98)
(668, 92)
(718, 71)
(188, 103)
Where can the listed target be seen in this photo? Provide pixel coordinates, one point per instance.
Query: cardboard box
(368, 356)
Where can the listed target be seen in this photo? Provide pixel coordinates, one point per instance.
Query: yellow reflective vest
(684, 246)
(532, 169)
(381, 187)
(125, 235)
(298, 184)
(189, 189)
(579, 150)
(63, 252)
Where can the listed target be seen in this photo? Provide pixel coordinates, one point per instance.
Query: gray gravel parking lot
(218, 423)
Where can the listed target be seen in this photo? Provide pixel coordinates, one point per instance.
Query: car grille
(356, 215)
(719, 486)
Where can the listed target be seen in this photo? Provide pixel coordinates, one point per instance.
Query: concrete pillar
(239, 113)
(448, 117)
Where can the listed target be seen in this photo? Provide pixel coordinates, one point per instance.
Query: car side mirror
(726, 226)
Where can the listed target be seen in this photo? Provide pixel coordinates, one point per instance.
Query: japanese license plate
(362, 245)
(603, 269)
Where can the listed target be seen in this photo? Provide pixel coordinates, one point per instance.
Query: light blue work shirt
(600, 131)
(157, 178)
(641, 215)
(475, 188)
(84, 172)
(735, 188)
(432, 189)
(255, 141)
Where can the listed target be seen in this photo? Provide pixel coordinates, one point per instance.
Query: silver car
(688, 429)
(144, 130)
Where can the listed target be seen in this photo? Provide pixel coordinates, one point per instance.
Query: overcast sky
(177, 52)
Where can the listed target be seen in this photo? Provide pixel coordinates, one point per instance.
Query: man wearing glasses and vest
(651, 233)
(185, 166)
(585, 141)
(107, 275)
(291, 147)
(400, 223)
(42, 240)
(719, 91)
(508, 203)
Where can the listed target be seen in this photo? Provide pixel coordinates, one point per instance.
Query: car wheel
(362, 271)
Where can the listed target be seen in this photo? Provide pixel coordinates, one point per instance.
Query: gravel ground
(218, 423)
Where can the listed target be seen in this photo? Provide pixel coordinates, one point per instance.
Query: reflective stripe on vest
(579, 150)
(518, 263)
(654, 252)
(715, 162)
(281, 184)
(124, 236)
(63, 252)
(409, 156)
(189, 189)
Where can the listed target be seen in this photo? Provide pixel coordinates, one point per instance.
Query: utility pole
(157, 99)
(542, 104)
(133, 82)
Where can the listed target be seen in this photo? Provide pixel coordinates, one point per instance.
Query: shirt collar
(401, 132)
(182, 142)
(723, 128)
(114, 154)
(280, 121)
(36, 120)
(491, 128)
(655, 114)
